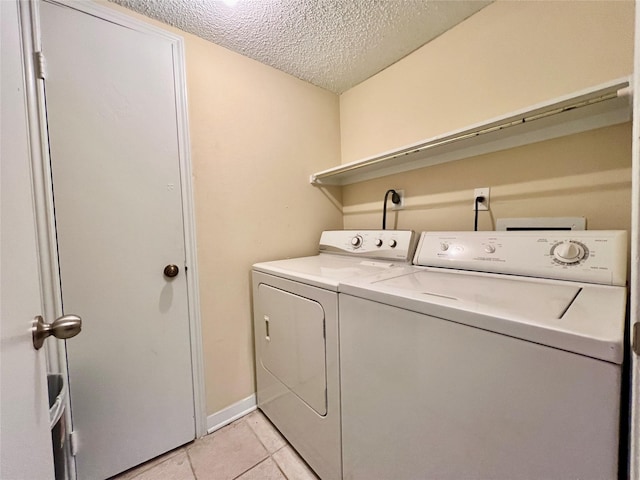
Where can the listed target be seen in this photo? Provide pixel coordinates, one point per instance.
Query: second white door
(111, 108)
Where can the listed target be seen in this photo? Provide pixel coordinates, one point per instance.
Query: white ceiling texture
(334, 44)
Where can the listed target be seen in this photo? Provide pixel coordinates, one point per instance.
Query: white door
(25, 437)
(112, 123)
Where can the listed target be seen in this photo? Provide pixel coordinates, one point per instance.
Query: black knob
(171, 271)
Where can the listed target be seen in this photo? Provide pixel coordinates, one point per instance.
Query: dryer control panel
(593, 256)
(380, 244)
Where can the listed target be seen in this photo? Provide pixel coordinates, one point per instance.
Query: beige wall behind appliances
(509, 56)
(257, 134)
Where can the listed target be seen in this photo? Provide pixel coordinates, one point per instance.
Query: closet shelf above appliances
(596, 107)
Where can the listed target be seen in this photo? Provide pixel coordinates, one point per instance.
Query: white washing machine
(448, 373)
(295, 305)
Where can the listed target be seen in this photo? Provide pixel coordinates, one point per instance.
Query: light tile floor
(248, 449)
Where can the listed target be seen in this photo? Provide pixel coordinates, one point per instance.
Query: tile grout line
(148, 465)
(193, 471)
(269, 454)
(278, 467)
(249, 469)
(256, 434)
(276, 462)
(286, 444)
(244, 420)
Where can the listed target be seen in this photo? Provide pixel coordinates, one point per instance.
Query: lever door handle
(64, 327)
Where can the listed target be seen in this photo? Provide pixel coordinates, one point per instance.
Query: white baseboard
(231, 413)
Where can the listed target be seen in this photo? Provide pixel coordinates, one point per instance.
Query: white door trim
(634, 313)
(41, 171)
(43, 196)
(44, 188)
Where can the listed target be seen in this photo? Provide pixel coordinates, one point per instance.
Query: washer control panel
(594, 256)
(380, 244)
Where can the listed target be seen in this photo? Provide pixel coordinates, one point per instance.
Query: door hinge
(73, 443)
(40, 65)
(635, 339)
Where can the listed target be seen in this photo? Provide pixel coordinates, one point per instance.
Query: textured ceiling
(334, 44)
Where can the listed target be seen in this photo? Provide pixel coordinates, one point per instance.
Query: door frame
(41, 171)
(634, 282)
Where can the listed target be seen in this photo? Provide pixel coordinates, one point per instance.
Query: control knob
(568, 252)
(378, 242)
(393, 243)
(356, 242)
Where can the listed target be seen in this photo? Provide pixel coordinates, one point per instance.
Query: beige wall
(508, 56)
(581, 175)
(257, 133)
(256, 136)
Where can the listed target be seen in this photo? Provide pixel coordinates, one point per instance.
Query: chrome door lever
(64, 327)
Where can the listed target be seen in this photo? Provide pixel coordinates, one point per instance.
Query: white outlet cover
(481, 192)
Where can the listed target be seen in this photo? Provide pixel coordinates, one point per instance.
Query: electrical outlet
(481, 192)
(398, 206)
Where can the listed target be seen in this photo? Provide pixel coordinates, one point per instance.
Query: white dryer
(295, 305)
(448, 373)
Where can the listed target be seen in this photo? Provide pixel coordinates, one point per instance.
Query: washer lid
(326, 270)
(581, 318)
(494, 296)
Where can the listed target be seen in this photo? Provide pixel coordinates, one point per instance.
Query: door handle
(64, 327)
(171, 271)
